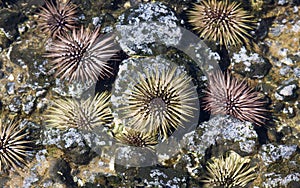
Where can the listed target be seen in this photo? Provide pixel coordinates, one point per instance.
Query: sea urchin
(160, 101)
(13, 145)
(57, 19)
(136, 138)
(84, 114)
(82, 55)
(233, 171)
(221, 21)
(228, 95)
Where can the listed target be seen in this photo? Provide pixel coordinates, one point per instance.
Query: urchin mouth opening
(157, 104)
(136, 141)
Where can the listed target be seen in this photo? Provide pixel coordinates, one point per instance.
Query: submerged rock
(60, 172)
(145, 28)
(215, 137)
(70, 158)
(282, 164)
(250, 64)
(72, 142)
(287, 91)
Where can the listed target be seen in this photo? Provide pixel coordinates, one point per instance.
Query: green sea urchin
(84, 114)
(135, 138)
(13, 145)
(160, 100)
(231, 171)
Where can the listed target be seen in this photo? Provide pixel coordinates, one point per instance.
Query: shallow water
(150, 39)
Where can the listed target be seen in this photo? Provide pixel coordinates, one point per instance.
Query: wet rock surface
(252, 65)
(60, 171)
(71, 158)
(151, 19)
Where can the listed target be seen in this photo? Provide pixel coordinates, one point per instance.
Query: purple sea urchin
(221, 21)
(13, 145)
(84, 114)
(226, 95)
(57, 19)
(82, 56)
(160, 101)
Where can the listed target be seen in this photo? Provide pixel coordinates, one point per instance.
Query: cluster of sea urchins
(158, 102)
(77, 54)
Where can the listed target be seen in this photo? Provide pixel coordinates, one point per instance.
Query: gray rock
(282, 165)
(140, 29)
(297, 72)
(153, 176)
(72, 142)
(250, 64)
(226, 130)
(10, 88)
(15, 104)
(29, 104)
(287, 91)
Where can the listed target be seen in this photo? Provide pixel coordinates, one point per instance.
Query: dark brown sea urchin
(221, 21)
(227, 95)
(57, 19)
(82, 55)
(13, 145)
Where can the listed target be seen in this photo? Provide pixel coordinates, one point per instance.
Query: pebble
(284, 70)
(28, 106)
(11, 77)
(286, 92)
(297, 72)
(10, 88)
(15, 104)
(282, 2)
